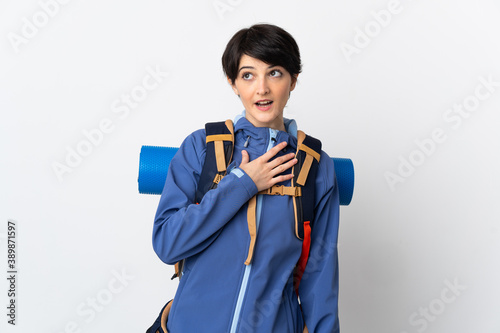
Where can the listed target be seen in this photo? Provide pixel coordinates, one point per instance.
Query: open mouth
(264, 104)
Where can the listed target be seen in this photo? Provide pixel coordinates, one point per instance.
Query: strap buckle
(276, 190)
(218, 178)
(295, 191)
(298, 191)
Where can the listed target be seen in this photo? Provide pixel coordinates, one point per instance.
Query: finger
(284, 166)
(281, 178)
(281, 160)
(273, 151)
(244, 157)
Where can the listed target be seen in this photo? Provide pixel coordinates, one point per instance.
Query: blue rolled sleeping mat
(154, 162)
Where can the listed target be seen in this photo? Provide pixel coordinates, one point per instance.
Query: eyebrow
(250, 67)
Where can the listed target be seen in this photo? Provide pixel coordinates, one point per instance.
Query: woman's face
(264, 90)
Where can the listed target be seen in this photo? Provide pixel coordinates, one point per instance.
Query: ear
(233, 86)
(294, 82)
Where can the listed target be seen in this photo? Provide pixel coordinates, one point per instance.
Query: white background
(399, 247)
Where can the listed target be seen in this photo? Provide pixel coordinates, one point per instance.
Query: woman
(218, 291)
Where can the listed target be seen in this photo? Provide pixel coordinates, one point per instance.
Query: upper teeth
(265, 102)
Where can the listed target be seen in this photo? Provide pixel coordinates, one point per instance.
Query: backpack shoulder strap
(303, 193)
(220, 145)
(308, 156)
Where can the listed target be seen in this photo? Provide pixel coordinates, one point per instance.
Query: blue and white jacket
(218, 292)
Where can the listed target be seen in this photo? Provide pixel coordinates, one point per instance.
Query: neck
(280, 127)
(276, 125)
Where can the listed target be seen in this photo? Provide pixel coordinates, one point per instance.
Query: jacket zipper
(244, 283)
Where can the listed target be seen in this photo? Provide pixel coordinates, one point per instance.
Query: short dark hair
(266, 42)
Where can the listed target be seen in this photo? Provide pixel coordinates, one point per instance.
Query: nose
(262, 86)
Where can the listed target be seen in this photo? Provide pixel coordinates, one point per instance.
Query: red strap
(301, 265)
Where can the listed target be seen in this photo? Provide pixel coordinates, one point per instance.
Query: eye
(276, 73)
(246, 76)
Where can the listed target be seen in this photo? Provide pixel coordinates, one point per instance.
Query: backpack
(219, 153)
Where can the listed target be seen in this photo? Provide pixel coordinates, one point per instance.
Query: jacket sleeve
(319, 286)
(183, 228)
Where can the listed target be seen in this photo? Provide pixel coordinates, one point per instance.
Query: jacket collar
(258, 137)
(290, 124)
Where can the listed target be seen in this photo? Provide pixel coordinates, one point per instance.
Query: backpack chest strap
(294, 191)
